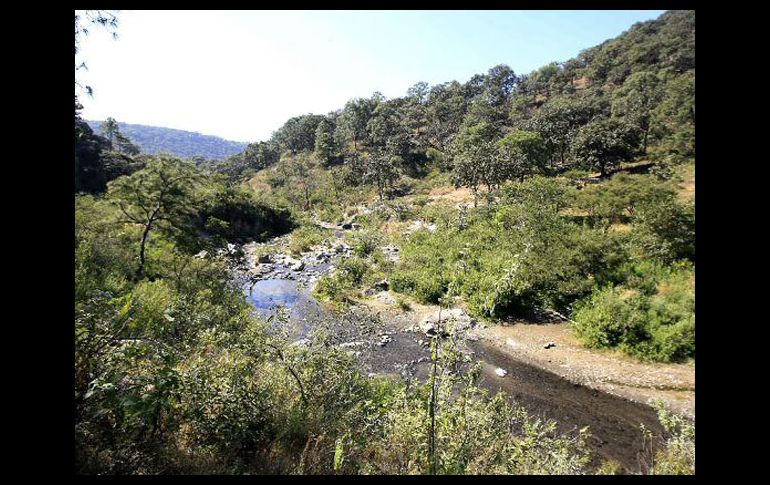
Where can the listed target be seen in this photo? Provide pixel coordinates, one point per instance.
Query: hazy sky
(241, 74)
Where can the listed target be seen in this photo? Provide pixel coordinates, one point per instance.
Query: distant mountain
(184, 144)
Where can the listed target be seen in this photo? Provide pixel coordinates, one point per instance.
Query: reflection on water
(303, 310)
(267, 294)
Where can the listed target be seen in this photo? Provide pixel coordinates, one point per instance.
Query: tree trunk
(145, 234)
(140, 272)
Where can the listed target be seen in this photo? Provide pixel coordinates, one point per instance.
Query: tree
(325, 147)
(90, 173)
(413, 114)
(558, 121)
(297, 169)
(353, 120)
(110, 131)
(604, 143)
(103, 18)
(444, 114)
(118, 141)
(380, 167)
(474, 156)
(665, 230)
(298, 134)
(160, 193)
(520, 152)
(492, 104)
(636, 99)
(261, 155)
(386, 131)
(675, 115)
(126, 146)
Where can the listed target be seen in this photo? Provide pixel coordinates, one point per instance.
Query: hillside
(185, 144)
(489, 277)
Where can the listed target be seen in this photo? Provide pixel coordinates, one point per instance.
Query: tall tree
(445, 111)
(325, 147)
(110, 131)
(475, 155)
(351, 126)
(160, 193)
(380, 167)
(636, 99)
(119, 142)
(261, 154)
(298, 133)
(602, 144)
(90, 174)
(675, 115)
(298, 169)
(520, 153)
(558, 121)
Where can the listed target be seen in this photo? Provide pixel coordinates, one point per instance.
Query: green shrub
(666, 231)
(306, 237)
(365, 242)
(403, 304)
(655, 325)
(678, 455)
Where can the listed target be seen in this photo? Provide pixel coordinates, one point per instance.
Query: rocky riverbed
(391, 341)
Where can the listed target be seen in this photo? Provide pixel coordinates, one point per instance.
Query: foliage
(636, 99)
(603, 143)
(652, 317)
(620, 199)
(521, 153)
(666, 230)
(174, 373)
(233, 214)
(157, 195)
(305, 237)
(512, 257)
(678, 454)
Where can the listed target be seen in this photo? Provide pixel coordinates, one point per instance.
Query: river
(385, 347)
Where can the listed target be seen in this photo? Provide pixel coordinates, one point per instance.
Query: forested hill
(185, 144)
(639, 85)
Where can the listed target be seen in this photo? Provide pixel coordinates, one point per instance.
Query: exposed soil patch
(608, 371)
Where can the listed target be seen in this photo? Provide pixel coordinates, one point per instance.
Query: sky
(240, 75)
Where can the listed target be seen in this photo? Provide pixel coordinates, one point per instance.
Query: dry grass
(462, 195)
(687, 185)
(581, 83)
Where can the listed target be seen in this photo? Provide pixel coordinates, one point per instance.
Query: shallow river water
(614, 422)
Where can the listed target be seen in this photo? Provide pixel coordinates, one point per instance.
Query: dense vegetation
(184, 144)
(532, 147)
(174, 373)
